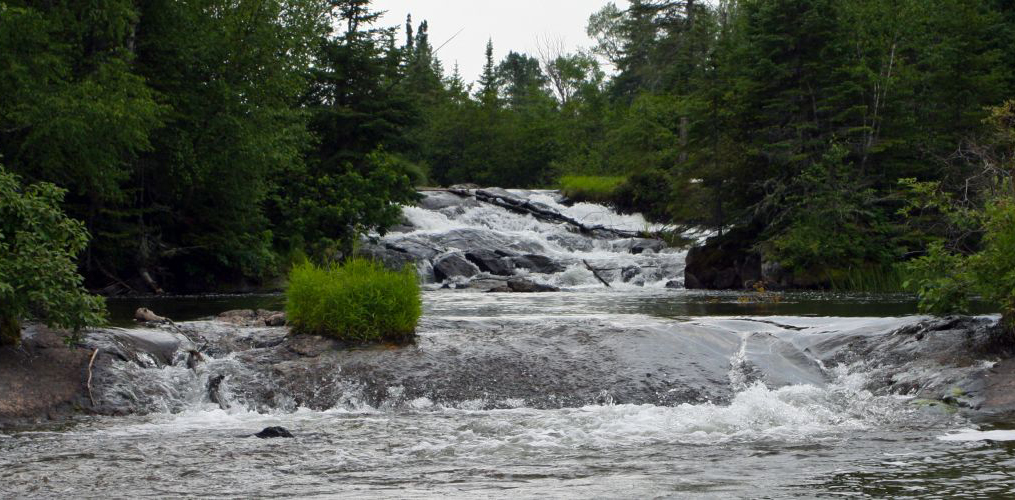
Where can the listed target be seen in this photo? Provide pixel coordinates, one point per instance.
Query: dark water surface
(664, 303)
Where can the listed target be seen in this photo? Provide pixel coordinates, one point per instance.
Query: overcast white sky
(513, 25)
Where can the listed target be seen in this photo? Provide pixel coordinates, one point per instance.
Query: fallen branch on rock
(595, 273)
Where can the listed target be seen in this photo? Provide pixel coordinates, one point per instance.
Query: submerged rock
(274, 432)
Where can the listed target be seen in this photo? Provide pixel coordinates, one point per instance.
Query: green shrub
(39, 278)
(360, 301)
(945, 281)
(594, 188)
(646, 192)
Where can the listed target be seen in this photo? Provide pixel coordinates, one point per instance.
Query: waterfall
(490, 241)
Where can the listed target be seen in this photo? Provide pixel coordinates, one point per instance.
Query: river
(631, 391)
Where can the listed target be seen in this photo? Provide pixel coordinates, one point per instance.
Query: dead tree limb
(595, 273)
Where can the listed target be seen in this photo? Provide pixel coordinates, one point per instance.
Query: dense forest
(204, 143)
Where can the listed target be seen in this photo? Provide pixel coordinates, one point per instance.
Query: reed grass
(359, 301)
(593, 188)
(873, 279)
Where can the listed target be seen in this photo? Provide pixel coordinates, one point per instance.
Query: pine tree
(488, 82)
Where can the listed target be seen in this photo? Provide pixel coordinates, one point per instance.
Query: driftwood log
(146, 315)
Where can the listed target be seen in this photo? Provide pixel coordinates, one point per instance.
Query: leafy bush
(38, 273)
(829, 224)
(945, 281)
(594, 188)
(360, 301)
(646, 192)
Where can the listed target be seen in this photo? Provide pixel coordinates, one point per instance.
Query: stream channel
(638, 390)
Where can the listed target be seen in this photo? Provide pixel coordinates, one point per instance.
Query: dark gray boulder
(274, 432)
(538, 264)
(437, 200)
(490, 262)
(527, 286)
(644, 244)
(723, 262)
(453, 265)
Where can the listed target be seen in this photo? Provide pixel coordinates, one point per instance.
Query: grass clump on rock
(592, 188)
(359, 301)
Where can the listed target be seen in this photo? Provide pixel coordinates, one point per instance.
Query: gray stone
(538, 264)
(490, 262)
(453, 265)
(526, 286)
(277, 319)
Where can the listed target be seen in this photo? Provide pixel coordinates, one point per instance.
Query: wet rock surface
(545, 363)
(274, 432)
(453, 265)
(459, 235)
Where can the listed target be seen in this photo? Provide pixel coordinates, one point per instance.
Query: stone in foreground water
(274, 432)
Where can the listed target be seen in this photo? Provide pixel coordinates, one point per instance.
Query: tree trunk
(10, 331)
(685, 125)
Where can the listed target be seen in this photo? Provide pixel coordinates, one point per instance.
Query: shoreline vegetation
(848, 145)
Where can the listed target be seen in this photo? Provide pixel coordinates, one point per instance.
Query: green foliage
(829, 222)
(360, 301)
(647, 192)
(993, 268)
(200, 142)
(944, 278)
(594, 188)
(329, 209)
(39, 245)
